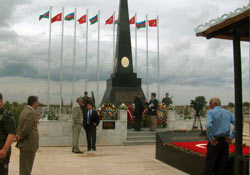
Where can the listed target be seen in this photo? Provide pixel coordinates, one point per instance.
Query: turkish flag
(83, 19)
(132, 20)
(152, 23)
(110, 20)
(57, 18)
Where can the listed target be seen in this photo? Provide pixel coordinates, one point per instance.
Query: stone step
(133, 143)
(140, 138)
(141, 133)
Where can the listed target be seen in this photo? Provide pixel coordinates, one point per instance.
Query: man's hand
(94, 124)
(214, 142)
(3, 153)
(16, 139)
(228, 140)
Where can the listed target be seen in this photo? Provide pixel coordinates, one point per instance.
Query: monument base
(122, 88)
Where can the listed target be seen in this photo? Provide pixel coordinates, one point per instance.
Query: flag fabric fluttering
(82, 19)
(132, 20)
(116, 21)
(152, 23)
(45, 15)
(110, 20)
(58, 17)
(70, 17)
(94, 19)
(141, 24)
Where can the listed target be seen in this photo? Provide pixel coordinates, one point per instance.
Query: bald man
(218, 131)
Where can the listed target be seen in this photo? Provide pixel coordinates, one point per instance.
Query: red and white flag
(132, 20)
(58, 17)
(152, 23)
(82, 19)
(110, 20)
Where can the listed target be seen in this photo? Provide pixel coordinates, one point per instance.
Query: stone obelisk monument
(123, 86)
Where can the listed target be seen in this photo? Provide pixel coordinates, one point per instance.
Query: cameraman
(218, 131)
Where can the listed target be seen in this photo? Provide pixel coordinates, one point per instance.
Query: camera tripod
(197, 120)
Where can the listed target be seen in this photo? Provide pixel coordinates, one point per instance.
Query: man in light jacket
(77, 117)
(27, 136)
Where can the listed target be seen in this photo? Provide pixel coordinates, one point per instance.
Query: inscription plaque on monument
(108, 125)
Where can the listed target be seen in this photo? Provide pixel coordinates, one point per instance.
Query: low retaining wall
(59, 133)
(175, 124)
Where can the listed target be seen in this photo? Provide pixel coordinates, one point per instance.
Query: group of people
(84, 115)
(26, 136)
(218, 125)
(142, 106)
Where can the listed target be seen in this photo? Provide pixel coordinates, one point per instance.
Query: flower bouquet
(108, 111)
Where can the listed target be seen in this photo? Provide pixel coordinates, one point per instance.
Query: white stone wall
(59, 133)
(174, 124)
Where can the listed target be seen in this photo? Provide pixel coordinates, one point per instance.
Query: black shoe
(94, 149)
(89, 149)
(79, 152)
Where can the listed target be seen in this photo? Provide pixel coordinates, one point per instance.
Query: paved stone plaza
(108, 160)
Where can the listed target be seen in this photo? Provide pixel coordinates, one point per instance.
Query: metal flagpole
(86, 52)
(135, 43)
(147, 56)
(113, 41)
(49, 54)
(61, 65)
(158, 56)
(98, 59)
(74, 59)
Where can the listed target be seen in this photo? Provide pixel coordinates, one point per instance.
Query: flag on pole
(132, 20)
(94, 19)
(110, 20)
(152, 23)
(116, 21)
(58, 17)
(45, 15)
(82, 19)
(70, 17)
(141, 24)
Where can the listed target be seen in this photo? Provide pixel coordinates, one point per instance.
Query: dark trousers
(217, 158)
(91, 136)
(137, 122)
(4, 167)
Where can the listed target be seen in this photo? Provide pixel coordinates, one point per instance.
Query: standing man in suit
(90, 122)
(27, 135)
(139, 108)
(77, 125)
(152, 111)
(7, 135)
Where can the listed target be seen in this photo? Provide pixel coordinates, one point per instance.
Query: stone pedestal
(171, 120)
(59, 133)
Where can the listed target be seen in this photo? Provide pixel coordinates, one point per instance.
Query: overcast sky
(190, 66)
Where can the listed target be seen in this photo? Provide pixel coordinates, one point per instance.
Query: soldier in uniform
(167, 100)
(7, 135)
(86, 100)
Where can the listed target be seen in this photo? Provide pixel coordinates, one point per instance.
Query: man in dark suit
(90, 122)
(139, 108)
